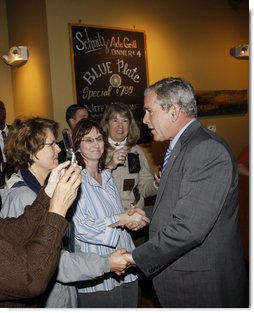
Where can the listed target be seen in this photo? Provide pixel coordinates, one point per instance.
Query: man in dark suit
(194, 252)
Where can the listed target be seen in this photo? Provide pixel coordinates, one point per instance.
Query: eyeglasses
(51, 144)
(90, 140)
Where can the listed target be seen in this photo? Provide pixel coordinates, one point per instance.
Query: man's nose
(145, 118)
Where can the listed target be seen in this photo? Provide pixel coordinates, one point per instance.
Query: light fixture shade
(16, 56)
(240, 52)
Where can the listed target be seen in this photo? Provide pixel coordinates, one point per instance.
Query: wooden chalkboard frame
(109, 64)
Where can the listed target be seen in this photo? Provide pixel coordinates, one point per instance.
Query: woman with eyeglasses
(31, 148)
(101, 221)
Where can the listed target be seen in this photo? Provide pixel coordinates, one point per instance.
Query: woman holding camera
(125, 158)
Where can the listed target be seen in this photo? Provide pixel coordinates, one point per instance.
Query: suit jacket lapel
(166, 173)
(184, 138)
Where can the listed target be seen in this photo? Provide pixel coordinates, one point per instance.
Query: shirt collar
(116, 144)
(175, 139)
(30, 179)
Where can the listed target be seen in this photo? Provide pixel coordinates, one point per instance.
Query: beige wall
(185, 38)
(31, 82)
(5, 72)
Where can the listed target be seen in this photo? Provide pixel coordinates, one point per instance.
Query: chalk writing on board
(109, 65)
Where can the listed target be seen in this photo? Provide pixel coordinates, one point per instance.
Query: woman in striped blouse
(100, 221)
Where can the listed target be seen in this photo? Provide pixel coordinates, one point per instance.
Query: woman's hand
(117, 262)
(137, 219)
(66, 189)
(118, 157)
(133, 219)
(55, 176)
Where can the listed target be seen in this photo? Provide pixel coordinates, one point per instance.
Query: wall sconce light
(240, 52)
(16, 56)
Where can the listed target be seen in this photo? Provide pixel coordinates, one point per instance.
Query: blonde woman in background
(125, 158)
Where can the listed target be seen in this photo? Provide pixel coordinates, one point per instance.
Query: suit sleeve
(203, 181)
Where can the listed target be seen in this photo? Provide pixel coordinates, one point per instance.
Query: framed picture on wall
(108, 65)
(221, 102)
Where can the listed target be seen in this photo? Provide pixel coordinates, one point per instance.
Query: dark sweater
(30, 247)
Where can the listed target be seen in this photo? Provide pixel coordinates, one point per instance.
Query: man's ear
(71, 122)
(175, 111)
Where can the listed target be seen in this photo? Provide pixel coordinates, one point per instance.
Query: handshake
(133, 219)
(120, 260)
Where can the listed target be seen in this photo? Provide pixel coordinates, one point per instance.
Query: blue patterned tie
(167, 156)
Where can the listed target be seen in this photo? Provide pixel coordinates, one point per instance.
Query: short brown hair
(26, 137)
(83, 127)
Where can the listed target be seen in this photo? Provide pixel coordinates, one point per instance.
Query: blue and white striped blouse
(96, 209)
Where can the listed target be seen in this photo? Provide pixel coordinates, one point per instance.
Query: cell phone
(68, 143)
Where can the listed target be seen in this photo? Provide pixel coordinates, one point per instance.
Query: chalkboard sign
(109, 65)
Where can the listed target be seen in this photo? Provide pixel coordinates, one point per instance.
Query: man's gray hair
(175, 91)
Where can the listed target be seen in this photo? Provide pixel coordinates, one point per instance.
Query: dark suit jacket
(194, 252)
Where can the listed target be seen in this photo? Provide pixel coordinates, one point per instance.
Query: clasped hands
(120, 260)
(137, 219)
(133, 218)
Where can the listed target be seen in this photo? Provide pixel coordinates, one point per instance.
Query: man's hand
(137, 219)
(66, 189)
(157, 178)
(128, 257)
(117, 262)
(133, 218)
